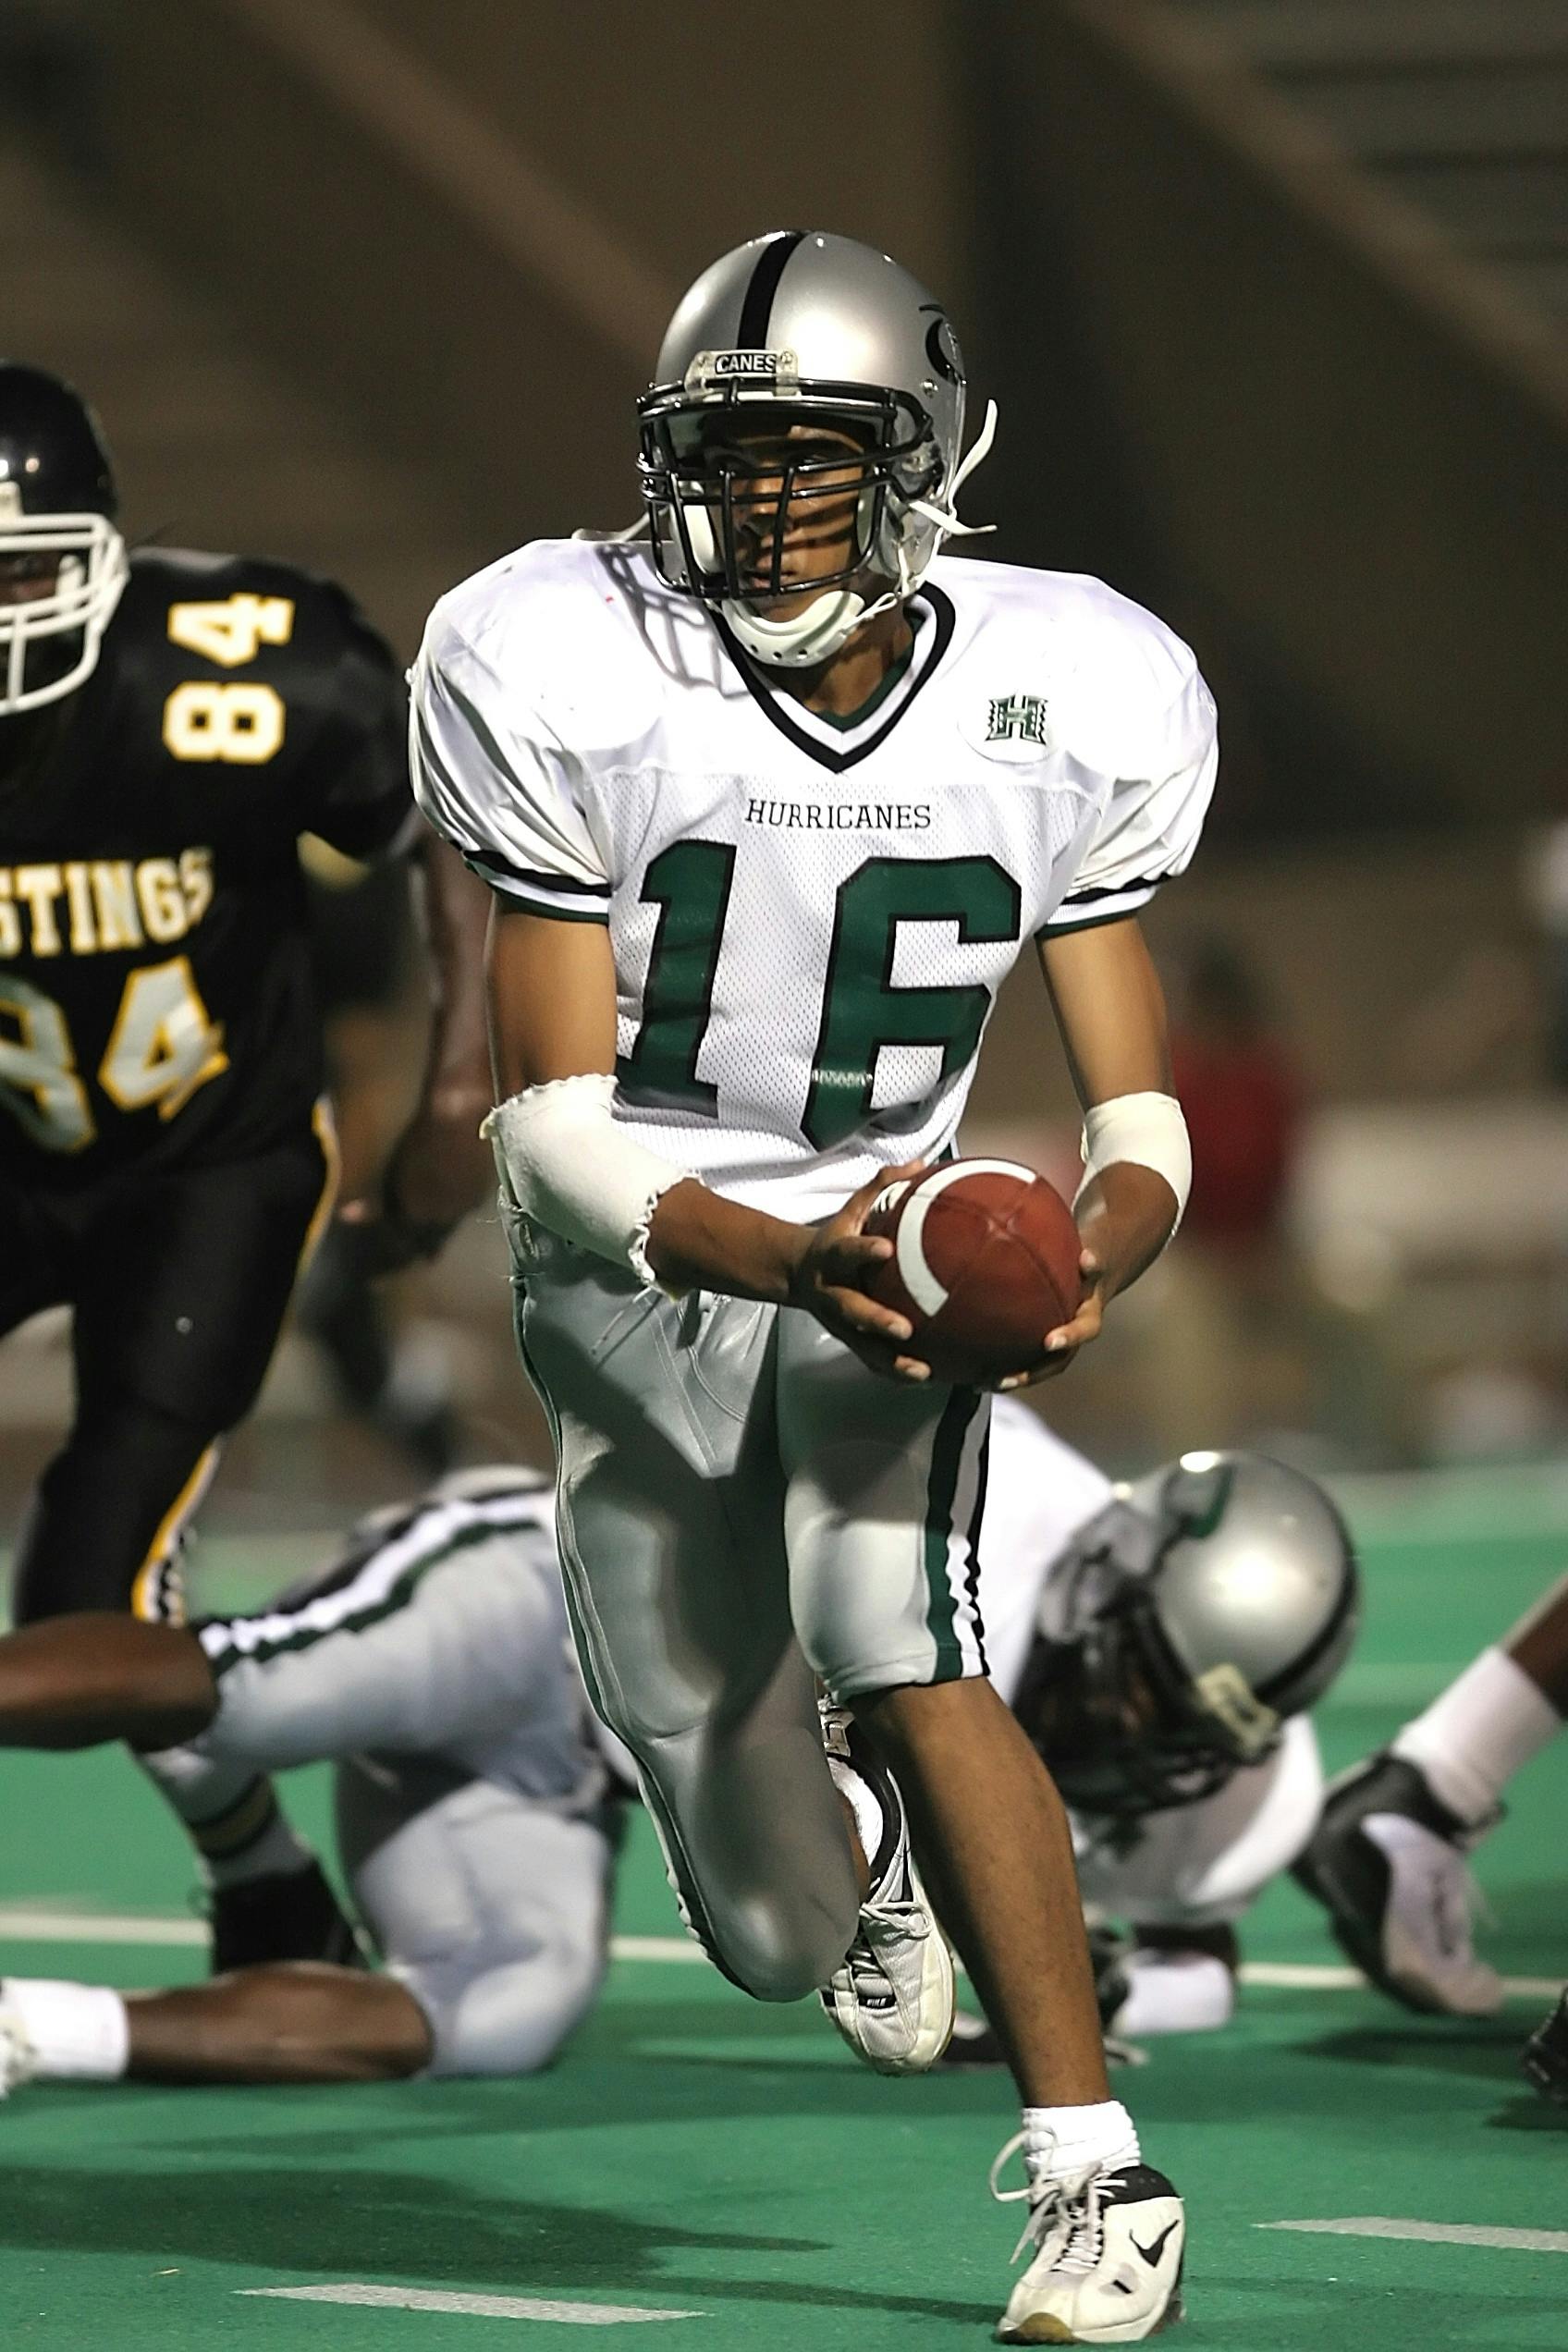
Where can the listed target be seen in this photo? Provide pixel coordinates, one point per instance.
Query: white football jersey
(810, 920)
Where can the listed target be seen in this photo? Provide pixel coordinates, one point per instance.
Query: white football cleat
(892, 1999)
(18, 2060)
(1106, 2261)
(1391, 1864)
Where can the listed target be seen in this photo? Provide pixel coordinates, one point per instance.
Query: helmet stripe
(751, 334)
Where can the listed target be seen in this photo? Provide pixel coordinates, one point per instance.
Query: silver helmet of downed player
(809, 394)
(62, 560)
(1195, 1613)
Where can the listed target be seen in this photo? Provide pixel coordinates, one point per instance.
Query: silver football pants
(744, 1511)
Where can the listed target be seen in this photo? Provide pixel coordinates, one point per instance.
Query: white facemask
(91, 580)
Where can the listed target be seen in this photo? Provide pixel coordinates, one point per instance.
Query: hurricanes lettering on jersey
(841, 817)
(103, 906)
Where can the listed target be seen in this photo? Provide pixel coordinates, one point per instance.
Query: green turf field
(726, 2174)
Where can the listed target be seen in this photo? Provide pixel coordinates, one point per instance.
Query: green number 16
(862, 1008)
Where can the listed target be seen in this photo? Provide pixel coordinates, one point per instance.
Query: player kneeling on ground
(1160, 1645)
(477, 1831)
(475, 1815)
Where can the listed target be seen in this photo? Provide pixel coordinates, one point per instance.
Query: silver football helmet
(1191, 1615)
(804, 367)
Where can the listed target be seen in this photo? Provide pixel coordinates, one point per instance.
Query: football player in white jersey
(1161, 1644)
(770, 805)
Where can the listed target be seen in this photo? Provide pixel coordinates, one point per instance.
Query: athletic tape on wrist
(564, 1163)
(1146, 1129)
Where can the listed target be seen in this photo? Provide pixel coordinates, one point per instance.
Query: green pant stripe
(947, 1456)
(397, 1597)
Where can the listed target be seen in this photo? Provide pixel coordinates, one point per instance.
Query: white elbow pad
(565, 1163)
(1146, 1129)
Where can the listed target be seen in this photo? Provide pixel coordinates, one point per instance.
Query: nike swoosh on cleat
(1151, 2254)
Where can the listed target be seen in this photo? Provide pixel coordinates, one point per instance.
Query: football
(985, 1263)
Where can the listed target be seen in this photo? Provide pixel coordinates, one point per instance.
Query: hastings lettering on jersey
(841, 817)
(94, 906)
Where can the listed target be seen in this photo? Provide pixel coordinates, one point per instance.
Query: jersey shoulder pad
(558, 625)
(1123, 690)
(1134, 703)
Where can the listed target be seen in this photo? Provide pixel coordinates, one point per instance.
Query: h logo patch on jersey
(1021, 718)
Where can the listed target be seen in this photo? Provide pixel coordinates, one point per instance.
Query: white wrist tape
(73, 2032)
(565, 1163)
(1146, 1129)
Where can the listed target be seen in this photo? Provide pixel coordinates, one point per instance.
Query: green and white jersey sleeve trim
(491, 778)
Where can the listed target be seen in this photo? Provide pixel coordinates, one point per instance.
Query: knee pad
(779, 1954)
(502, 2016)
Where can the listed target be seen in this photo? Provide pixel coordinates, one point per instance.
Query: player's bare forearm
(298, 2021)
(698, 1241)
(75, 1681)
(455, 906)
(439, 1168)
(1539, 1645)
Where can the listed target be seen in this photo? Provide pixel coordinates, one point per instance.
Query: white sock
(1475, 1736)
(80, 2033)
(1059, 2141)
(1175, 1992)
(870, 1821)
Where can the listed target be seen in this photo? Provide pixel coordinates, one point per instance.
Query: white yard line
(474, 2307)
(1518, 2241)
(23, 1924)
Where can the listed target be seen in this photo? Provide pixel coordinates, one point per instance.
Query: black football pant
(178, 1284)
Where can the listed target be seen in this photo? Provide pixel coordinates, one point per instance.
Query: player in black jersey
(170, 724)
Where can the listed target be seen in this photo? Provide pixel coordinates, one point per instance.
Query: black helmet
(62, 560)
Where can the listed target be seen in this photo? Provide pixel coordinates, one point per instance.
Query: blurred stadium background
(1273, 296)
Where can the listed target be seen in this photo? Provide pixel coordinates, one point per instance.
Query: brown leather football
(985, 1263)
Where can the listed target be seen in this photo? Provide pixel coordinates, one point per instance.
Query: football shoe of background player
(430, 1662)
(1160, 1644)
(1389, 1855)
(740, 795)
(169, 724)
